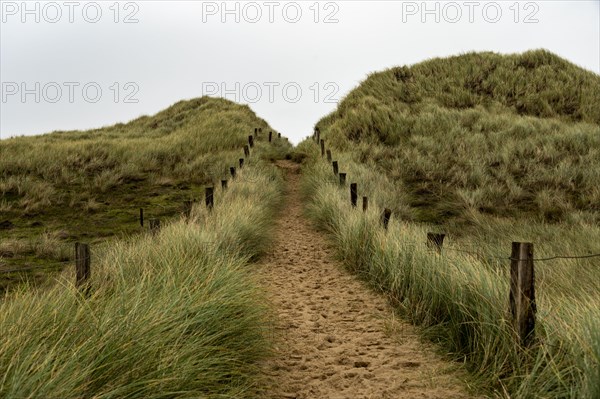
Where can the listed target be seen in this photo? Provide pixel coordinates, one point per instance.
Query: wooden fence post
(385, 217)
(322, 147)
(353, 194)
(82, 267)
(246, 151)
(522, 292)
(335, 167)
(270, 136)
(241, 162)
(154, 225)
(435, 240)
(224, 184)
(342, 179)
(255, 130)
(209, 197)
(260, 130)
(365, 204)
(328, 155)
(142, 217)
(278, 135)
(232, 171)
(251, 141)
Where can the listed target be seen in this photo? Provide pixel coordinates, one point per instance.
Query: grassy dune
(59, 188)
(487, 171)
(177, 314)
(463, 136)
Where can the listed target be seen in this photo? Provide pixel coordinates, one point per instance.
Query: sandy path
(339, 339)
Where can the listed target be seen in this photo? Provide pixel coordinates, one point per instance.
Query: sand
(335, 337)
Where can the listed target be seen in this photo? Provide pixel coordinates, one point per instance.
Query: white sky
(182, 49)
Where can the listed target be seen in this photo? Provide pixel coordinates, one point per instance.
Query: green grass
(488, 149)
(89, 186)
(496, 155)
(173, 315)
(178, 314)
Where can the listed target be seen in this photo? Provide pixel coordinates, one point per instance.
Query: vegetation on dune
(499, 160)
(62, 187)
(480, 133)
(173, 314)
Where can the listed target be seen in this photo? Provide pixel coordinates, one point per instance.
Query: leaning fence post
(224, 184)
(385, 217)
(251, 141)
(82, 267)
(435, 240)
(246, 151)
(342, 178)
(353, 194)
(241, 162)
(142, 217)
(209, 197)
(335, 167)
(232, 171)
(322, 147)
(522, 291)
(328, 155)
(365, 204)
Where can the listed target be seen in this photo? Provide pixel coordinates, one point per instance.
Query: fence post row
(522, 292)
(353, 194)
(435, 240)
(82, 267)
(385, 217)
(209, 197)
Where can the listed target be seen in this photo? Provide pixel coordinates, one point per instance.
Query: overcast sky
(80, 65)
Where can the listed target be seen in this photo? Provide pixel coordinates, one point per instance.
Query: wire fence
(343, 177)
(236, 172)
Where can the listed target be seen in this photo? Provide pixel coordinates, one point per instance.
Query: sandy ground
(336, 338)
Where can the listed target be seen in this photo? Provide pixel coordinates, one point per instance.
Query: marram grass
(488, 149)
(178, 314)
(170, 316)
(461, 301)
